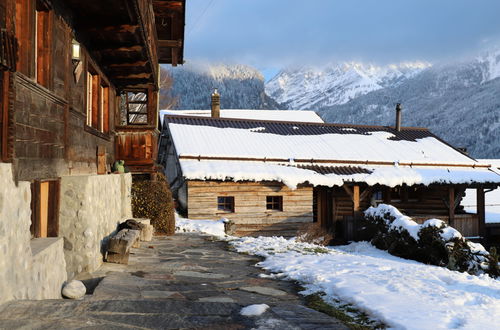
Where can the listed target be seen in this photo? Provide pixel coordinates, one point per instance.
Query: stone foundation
(91, 207)
(29, 269)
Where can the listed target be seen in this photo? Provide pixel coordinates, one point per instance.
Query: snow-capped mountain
(460, 102)
(240, 87)
(316, 88)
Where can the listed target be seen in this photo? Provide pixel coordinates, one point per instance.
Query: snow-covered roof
(318, 153)
(306, 116)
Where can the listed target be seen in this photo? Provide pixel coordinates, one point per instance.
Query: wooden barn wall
(430, 200)
(50, 134)
(251, 216)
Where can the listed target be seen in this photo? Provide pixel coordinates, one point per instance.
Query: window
(43, 33)
(274, 203)
(225, 204)
(97, 102)
(45, 208)
(34, 34)
(135, 104)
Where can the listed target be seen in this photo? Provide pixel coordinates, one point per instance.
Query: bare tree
(167, 100)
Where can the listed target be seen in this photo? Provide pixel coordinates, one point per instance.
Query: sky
(272, 34)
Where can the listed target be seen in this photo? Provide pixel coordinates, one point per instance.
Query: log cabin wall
(250, 206)
(420, 200)
(51, 137)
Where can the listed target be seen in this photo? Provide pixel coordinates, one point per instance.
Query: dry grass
(314, 233)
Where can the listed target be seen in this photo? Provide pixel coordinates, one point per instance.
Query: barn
(271, 177)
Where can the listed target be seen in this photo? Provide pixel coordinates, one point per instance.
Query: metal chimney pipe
(215, 104)
(399, 108)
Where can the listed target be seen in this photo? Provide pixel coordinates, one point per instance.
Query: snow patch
(210, 227)
(254, 310)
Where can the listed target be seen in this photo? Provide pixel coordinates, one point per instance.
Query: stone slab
(188, 273)
(264, 290)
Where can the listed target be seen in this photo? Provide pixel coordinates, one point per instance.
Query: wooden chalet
(271, 177)
(79, 87)
(79, 83)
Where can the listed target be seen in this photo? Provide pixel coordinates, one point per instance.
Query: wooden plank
(355, 198)
(44, 208)
(481, 212)
(101, 159)
(53, 216)
(451, 206)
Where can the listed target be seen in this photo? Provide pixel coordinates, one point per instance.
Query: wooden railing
(137, 147)
(467, 224)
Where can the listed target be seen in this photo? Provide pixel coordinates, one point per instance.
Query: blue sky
(270, 34)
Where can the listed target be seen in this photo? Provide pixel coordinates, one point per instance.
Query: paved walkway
(184, 281)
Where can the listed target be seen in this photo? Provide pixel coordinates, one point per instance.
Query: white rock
(254, 310)
(74, 290)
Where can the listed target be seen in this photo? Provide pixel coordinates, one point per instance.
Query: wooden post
(481, 211)
(387, 195)
(355, 199)
(451, 206)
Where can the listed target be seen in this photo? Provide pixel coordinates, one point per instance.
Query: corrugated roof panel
(221, 137)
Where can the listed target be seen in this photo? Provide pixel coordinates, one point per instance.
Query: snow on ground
(210, 227)
(404, 294)
(254, 310)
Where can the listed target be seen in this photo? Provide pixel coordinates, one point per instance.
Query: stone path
(184, 281)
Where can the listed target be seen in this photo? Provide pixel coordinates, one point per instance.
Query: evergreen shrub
(436, 243)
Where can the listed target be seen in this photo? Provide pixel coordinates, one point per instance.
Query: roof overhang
(122, 37)
(170, 21)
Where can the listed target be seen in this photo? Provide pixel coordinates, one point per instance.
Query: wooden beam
(348, 191)
(481, 212)
(451, 206)
(128, 64)
(355, 198)
(135, 76)
(170, 43)
(135, 48)
(365, 193)
(125, 28)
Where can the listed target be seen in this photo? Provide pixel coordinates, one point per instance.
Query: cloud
(280, 32)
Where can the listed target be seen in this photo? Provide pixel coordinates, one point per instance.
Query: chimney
(398, 116)
(215, 104)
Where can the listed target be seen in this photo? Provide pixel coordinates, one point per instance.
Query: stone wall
(91, 207)
(25, 273)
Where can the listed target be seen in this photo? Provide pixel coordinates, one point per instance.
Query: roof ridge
(167, 116)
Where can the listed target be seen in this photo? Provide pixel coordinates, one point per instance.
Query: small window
(136, 104)
(225, 204)
(274, 203)
(97, 102)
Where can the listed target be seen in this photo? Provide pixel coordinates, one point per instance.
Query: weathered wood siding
(430, 200)
(50, 136)
(466, 224)
(250, 214)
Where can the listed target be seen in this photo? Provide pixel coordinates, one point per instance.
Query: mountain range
(240, 87)
(459, 101)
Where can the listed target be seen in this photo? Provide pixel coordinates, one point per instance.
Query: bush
(433, 242)
(152, 199)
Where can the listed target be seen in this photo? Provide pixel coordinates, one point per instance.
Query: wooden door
(324, 207)
(45, 208)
